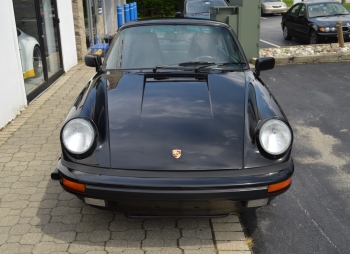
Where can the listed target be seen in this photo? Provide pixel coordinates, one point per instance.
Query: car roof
(174, 21)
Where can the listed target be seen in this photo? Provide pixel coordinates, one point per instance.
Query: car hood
(331, 20)
(149, 117)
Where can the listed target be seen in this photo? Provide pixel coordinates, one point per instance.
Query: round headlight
(327, 29)
(78, 136)
(275, 137)
(333, 29)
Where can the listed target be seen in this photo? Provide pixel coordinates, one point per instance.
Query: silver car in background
(273, 7)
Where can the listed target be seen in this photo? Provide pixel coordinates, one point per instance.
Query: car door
(301, 25)
(291, 19)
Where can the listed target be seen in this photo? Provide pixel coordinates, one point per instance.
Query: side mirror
(263, 64)
(178, 14)
(93, 61)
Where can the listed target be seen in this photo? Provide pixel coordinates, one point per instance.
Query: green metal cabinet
(244, 18)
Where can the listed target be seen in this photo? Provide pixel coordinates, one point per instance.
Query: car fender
(260, 105)
(92, 104)
(27, 44)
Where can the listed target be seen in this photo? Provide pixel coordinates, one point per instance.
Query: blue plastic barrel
(120, 16)
(126, 13)
(132, 11)
(135, 9)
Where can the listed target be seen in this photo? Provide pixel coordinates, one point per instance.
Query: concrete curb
(325, 57)
(311, 59)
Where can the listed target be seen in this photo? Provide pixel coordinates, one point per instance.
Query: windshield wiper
(186, 64)
(190, 63)
(231, 63)
(202, 63)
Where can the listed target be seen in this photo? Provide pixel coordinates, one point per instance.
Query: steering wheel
(204, 59)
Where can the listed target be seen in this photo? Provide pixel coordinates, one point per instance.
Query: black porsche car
(315, 21)
(176, 123)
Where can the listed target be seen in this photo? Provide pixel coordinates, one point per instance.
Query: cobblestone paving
(37, 216)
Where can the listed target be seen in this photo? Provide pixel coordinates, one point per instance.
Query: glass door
(39, 44)
(50, 36)
(28, 43)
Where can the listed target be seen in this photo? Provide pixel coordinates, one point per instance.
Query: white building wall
(68, 44)
(12, 92)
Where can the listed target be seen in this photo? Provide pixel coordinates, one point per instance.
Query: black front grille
(345, 28)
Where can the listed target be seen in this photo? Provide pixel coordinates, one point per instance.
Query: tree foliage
(156, 8)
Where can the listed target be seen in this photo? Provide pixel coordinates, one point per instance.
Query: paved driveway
(37, 216)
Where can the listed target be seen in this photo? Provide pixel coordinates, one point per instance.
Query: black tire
(37, 62)
(262, 12)
(286, 34)
(314, 38)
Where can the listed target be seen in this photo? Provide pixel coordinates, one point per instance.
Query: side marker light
(78, 187)
(279, 186)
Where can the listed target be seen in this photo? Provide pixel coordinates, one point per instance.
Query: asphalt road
(314, 215)
(271, 33)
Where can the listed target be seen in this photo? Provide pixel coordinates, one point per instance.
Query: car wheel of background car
(286, 34)
(314, 37)
(262, 11)
(37, 62)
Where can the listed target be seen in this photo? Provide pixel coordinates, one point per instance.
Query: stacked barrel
(126, 14)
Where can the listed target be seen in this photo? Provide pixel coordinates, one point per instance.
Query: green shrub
(156, 8)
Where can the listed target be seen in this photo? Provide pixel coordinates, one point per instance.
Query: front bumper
(200, 193)
(346, 35)
(270, 10)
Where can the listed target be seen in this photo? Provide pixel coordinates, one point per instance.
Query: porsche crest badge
(176, 153)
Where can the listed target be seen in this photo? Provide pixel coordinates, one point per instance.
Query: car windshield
(326, 9)
(182, 46)
(200, 6)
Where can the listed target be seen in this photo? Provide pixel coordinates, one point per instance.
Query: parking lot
(314, 215)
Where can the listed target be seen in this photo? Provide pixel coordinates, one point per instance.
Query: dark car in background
(176, 123)
(315, 21)
(198, 8)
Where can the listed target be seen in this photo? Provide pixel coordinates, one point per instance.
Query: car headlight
(275, 137)
(327, 29)
(78, 136)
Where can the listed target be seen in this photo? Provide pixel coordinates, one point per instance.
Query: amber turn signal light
(79, 187)
(279, 186)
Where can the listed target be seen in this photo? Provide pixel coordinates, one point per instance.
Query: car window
(294, 10)
(200, 6)
(302, 10)
(326, 9)
(150, 46)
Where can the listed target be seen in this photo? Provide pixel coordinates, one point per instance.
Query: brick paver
(37, 216)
